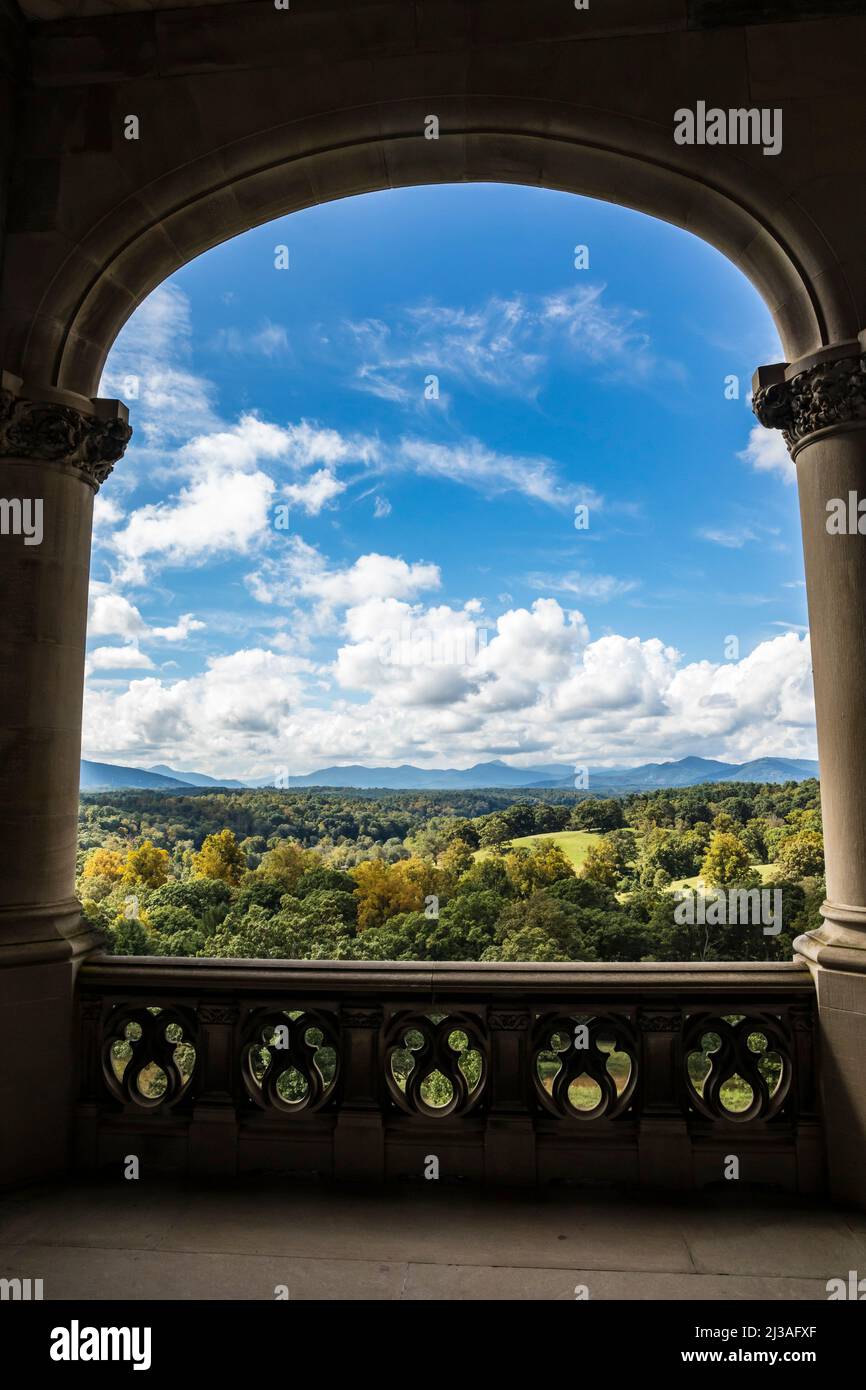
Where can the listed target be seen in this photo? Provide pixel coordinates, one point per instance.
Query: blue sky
(307, 557)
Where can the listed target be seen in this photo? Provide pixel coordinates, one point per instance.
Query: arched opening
(247, 122)
(127, 253)
(449, 454)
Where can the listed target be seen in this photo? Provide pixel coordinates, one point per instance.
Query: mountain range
(109, 777)
(686, 772)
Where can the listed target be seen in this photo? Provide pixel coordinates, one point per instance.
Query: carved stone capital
(830, 393)
(46, 426)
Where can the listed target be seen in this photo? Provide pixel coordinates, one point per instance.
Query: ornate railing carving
(584, 1048)
(423, 1050)
(143, 1059)
(281, 1063)
(748, 1066)
(532, 1071)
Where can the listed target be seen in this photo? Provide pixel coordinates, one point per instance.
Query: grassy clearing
(768, 873)
(573, 843)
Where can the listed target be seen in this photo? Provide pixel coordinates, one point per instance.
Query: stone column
(820, 405)
(55, 450)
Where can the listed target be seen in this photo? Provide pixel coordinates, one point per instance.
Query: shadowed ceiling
(698, 14)
(77, 9)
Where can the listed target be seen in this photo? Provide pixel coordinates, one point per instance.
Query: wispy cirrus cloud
(150, 369)
(505, 344)
(268, 340)
(474, 464)
(740, 534)
(232, 475)
(601, 587)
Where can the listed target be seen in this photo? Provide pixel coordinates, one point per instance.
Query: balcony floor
(172, 1240)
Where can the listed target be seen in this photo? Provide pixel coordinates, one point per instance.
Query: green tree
(206, 898)
(221, 857)
(674, 854)
(104, 863)
(754, 837)
(287, 862)
(322, 879)
(737, 807)
(597, 813)
(540, 929)
(430, 840)
(329, 907)
(488, 873)
(465, 928)
(603, 864)
(147, 866)
(494, 831)
(456, 860)
(253, 847)
(532, 867)
(128, 936)
(802, 855)
(727, 861)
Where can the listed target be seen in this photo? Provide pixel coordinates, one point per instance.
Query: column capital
(53, 426)
(814, 396)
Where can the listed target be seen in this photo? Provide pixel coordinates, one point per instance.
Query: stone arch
(247, 113)
(185, 211)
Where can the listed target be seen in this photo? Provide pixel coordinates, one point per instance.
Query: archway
(243, 122)
(149, 234)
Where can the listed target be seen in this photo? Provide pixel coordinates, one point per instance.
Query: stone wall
(13, 60)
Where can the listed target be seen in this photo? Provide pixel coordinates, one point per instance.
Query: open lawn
(768, 872)
(573, 843)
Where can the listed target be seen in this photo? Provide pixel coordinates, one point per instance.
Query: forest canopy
(457, 875)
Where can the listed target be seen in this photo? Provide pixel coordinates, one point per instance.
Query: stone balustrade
(672, 1076)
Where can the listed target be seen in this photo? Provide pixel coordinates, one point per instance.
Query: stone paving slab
(470, 1283)
(70, 1272)
(439, 1227)
(808, 1244)
(84, 1214)
(175, 1241)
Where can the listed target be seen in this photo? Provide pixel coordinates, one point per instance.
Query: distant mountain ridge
(686, 772)
(692, 771)
(410, 778)
(111, 777)
(194, 779)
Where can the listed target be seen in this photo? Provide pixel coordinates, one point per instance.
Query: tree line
(436, 876)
